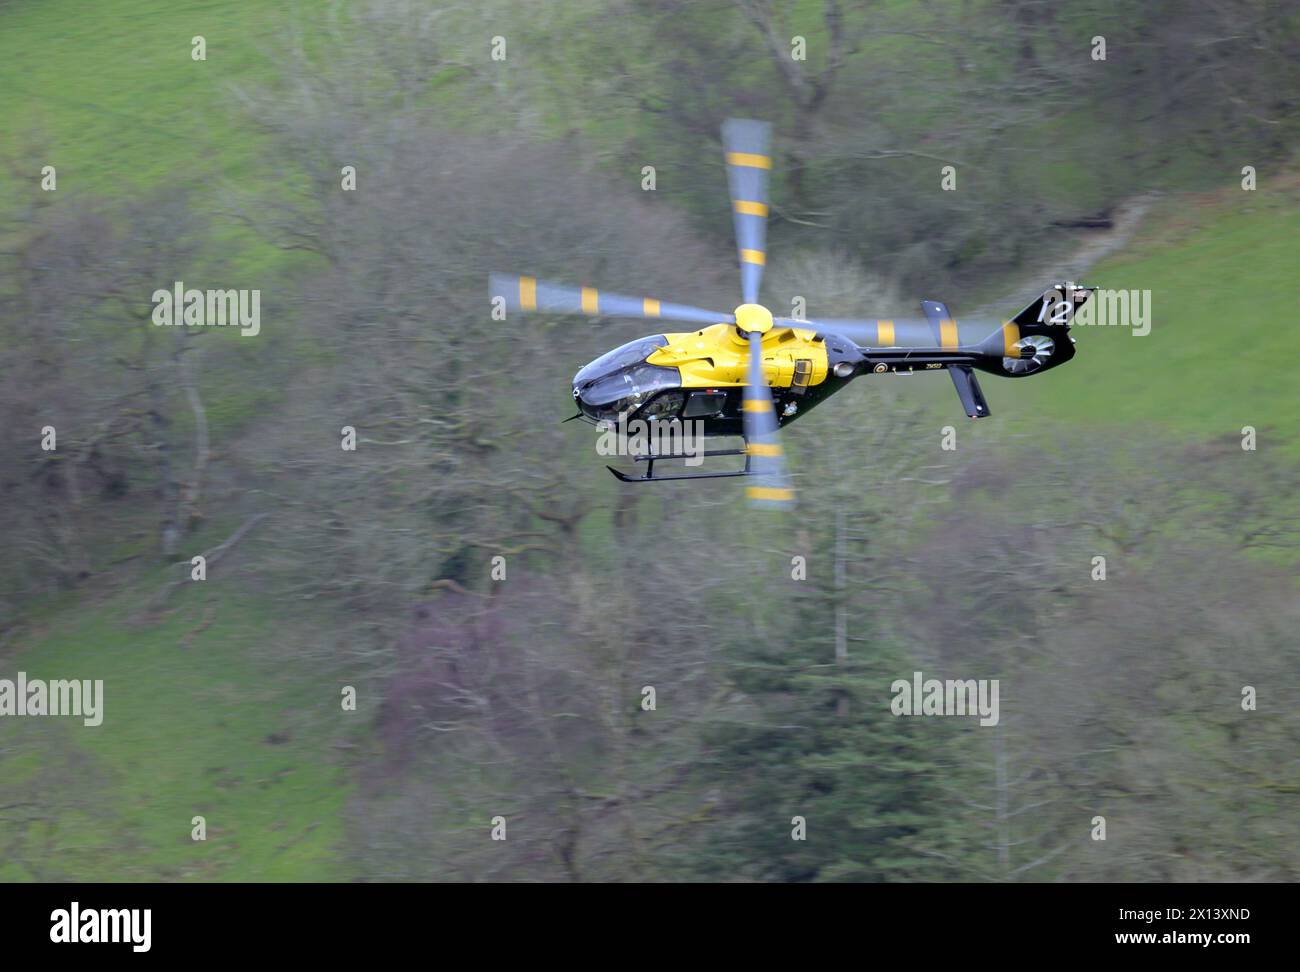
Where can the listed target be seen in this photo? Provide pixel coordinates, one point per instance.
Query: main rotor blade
(749, 160)
(528, 294)
(901, 332)
(771, 487)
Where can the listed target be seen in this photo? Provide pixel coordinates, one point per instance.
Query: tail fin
(1038, 338)
(1056, 307)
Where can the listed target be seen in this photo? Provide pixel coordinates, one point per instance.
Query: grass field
(1221, 270)
(201, 717)
(109, 94)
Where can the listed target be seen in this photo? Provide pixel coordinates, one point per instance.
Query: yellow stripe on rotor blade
(749, 160)
(650, 307)
(756, 405)
(885, 333)
(1010, 335)
(590, 303)
(748, 208)
(753, 256)
(769, 493)
(528, 293)
(763, 449)
(948, 334)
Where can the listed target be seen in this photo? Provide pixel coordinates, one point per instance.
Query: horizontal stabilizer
(945, 334)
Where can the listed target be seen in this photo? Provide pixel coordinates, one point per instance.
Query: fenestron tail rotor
(1034, 351)
(748, 153)
(528, 294)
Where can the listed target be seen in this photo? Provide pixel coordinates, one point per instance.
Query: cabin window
(704, 404)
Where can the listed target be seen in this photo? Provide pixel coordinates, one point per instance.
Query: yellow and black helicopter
(748, 373)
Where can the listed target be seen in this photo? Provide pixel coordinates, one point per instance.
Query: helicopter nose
(584, 406)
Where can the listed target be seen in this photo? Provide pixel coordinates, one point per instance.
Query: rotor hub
(753, 318)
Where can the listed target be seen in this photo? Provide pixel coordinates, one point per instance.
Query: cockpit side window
(664, 407)
(626, 390)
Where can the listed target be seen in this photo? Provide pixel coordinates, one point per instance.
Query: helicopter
(749, 373)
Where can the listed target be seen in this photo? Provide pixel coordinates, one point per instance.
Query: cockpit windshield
(621, 381)
(620, 357)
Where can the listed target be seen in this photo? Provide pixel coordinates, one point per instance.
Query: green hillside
(1221, 272)
(109, 94)
(224, 701)
(201, 717)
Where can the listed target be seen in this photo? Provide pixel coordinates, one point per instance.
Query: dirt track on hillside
(1094, 246)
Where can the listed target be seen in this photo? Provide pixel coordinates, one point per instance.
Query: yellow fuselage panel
(717, 356)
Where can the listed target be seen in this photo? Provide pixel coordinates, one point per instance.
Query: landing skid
(650, 477)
